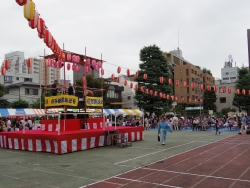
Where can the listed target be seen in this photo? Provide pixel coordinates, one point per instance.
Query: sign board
(61, 100)
(94, 101)
(194, 108)
(210, 112)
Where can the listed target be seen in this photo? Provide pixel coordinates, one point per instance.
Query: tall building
(51, 73)
(229, 74)
(79, 75)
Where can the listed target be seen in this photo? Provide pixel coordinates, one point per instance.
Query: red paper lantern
(243, 91)
(185, 84)
(238, 91)
(136, 87)
(169, 81)
(145, 76)
(142, 89)
(34, 22)
(182, 99)
(131, 85)
(208, 87)
(161, 80)
(146, 91)
(189, 100)
(223, 89)
(68, 66)
(21, 2)
(155, 93)
(29, 62)
(136, 75)
(3, 71)
(160, 94)
(68, 57)
(128, 72)
(176, 99)
(112, 77)
(164, 96)
(201, 100)
(215, 89)
(229, 90)
(125, 82)
(172, 97)
(118, 70)
(48, 38)
(6, 64)
(192, 85)
(248, 92)
(102, 71)
(41, 35)
(118, 79)
(176, 82)
(151, 92)
(78, 68)
(41, 26)
(168, 97)
(195, 100)
(201, 87)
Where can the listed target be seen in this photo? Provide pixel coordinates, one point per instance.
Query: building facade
(229, 74)
(79, 75)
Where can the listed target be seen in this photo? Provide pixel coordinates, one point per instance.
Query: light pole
(198, 80)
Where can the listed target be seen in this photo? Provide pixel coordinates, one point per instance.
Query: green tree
(2, 90)
(243, 82)
(94, 84)
(19, 104)
(209, 99)
(155, 65)
(4, 103)
(224, 111)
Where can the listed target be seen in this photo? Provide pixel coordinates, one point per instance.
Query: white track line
(240, 177)
(153, 162)
(152, 153)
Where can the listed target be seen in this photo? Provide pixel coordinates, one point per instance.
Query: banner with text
(94, 101)
(61, 100)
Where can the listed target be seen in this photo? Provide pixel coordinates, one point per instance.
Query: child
(217, 126)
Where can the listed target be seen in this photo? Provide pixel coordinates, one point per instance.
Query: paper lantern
(21, 2)
(73, 67)
(160, 94)
(176, 82)
(201, 100)
(176, 99)
(73, 58)
(48, 38)
(29, 62)
(201, 87)
(168, 97)
(215, 89)
(223, 89)
(208, 87)
(87, 62)
(68, 66)
(3, 71)
(164, 96)
(192, 85)
(238, 91)
(102, 71)
(142, 89)
(6, 64)
(87, 69)
(229, 90)
(48, 62)
(243, 91)
(55, 64)
(68, 57)
(41, 35)
(78, 68)
(182, 99)
(118, 70)
(125, 82)
(78, 59)
(34, 22)
(169, 81)
(41, 26)
(248, 92)
(112, 77)
(172, 97)
(128, 72)
(146, 91)
(29, 10)
(155, 93)
(118, 79)
(151, 92)
(161, 80)
(96, 67)
(59, 64)
(136, 87)
(145, 76)
(185, 84)
(136, 75)
(99, 64)
(195, 100)
(63, 57)
(189, 100)
(131, 85)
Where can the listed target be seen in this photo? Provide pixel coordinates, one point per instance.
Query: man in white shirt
(175, 123)
(8, 124)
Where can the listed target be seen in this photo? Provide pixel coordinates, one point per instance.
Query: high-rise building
(51, 73)
(229, 74)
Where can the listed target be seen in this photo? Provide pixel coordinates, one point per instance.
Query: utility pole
(198, 80)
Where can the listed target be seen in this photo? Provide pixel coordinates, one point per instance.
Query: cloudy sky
(209, 30)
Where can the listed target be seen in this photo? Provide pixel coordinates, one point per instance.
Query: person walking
(217, 126)
(243, 123)
(175, 123)
(163, 127)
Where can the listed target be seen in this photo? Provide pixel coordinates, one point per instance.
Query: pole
(59, 125)
(104, 127)
(63, 89)
(45, 74)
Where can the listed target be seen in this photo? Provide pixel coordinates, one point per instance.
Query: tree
(96, 84)
(224, 111)
(243, 82)
(4, 103)
(19, 104)
(2, 90)
(155, 65)
(209, 98)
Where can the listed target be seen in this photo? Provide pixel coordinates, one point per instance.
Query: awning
(128, 112)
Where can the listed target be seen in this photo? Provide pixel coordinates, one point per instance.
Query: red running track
(224, 163)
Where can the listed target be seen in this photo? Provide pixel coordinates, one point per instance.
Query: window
(111, 94)
(187, 89)
(223, 100)
(192, 71)
(187, 72)
(225, 78)
(116, 96)
(28, 79)
(7, 78)
(227, 73)
(129, 97)
(193, 97)
(29, 91)
(192, 79)
(232, 78)
(17, 78)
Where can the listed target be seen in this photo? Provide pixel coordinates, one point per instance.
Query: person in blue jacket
(163, 127)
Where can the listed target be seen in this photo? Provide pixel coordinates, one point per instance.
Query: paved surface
(29, 169)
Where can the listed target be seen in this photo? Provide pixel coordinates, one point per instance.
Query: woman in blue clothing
(162, 130)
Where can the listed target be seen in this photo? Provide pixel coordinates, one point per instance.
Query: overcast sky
(209, 30)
